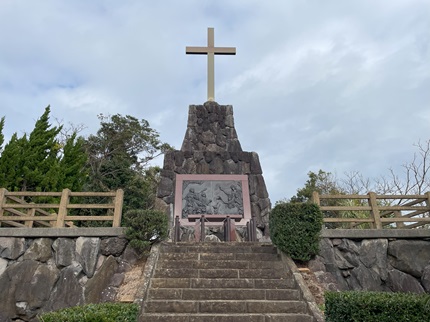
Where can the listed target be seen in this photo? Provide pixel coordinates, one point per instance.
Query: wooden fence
(17, 209)
(375, 211)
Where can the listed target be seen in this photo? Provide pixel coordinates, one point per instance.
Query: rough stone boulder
(11, 248)
(409, 256)
(26, 287)
(87, 250)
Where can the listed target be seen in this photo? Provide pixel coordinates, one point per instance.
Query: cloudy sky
(335, 85)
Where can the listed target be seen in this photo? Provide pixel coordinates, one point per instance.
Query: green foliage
(40, 156)
(326, 184)
(373, 306)
(322, 182)
(39, 162)
(145, 227)
(105, 312)
(11, 163)
(1, 133)
(295, 229)
(118, 159)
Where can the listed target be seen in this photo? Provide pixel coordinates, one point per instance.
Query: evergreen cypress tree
(11, 167)
(1, 133)
(41, 156)
(73, 173)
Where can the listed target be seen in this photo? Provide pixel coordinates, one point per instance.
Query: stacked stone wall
(211, 146)
(392, 265)
(45, 274)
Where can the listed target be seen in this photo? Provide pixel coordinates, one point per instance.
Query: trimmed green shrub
(376, 306)
(104, 312)
(295, 228)
(145, 227)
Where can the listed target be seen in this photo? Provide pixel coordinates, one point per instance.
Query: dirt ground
(311, 281)
(132, 282)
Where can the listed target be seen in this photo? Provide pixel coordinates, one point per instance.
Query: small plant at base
(145, 227)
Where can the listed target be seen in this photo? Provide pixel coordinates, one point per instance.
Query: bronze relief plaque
(215, 196)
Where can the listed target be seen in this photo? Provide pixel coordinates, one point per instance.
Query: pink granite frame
(213, 219)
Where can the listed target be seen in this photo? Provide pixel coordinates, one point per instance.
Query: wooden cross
(211, 50)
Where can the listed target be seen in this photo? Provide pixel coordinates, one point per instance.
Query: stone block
(64, 249)
(277, 307)
(87, 251)
(40, 250)
(29, 284)
(100, 281)
(425, 278)
(3, 265)
(68, 292)
(283, 295)
(218, 273)
(409, 256)
(113, 246)
(399, 281)
(373, 254)
(165, 187)
(202, 167)
(176, 273)
(171, 282)
(165, 294)
(222, 283)
(221, 307)
(255, 164)
(11, 247)
(263, 273)
(223, 294)
(171, 307)
(367, 278)
(169, 160)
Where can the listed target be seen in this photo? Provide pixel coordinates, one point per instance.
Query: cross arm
(206, 50)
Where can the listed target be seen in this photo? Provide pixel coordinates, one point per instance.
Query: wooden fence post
(62, 210)
(30, 212)
(427, 194)
(375, 211)
(398, 214)
(2, 201)
(118, 201)
(316, 198)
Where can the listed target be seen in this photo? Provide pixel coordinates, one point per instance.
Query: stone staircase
(223, 282)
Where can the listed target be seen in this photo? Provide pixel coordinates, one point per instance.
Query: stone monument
(211, 175)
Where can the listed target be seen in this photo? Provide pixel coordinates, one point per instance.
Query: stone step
(218, 248)
(223, 294)
(287, 283)
(203, 264)
(223, 306)
(220, 273)
(220, 256)
(163, 317)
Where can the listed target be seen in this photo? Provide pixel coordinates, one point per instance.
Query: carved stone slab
(215, 196)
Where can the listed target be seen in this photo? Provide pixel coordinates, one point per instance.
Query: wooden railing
(17, 209)
(375, 211)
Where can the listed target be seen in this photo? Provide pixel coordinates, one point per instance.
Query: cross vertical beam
(211, 51)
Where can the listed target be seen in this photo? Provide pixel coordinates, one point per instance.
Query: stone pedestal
(211, 146)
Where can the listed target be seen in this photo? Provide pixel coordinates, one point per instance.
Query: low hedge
(295, 229)
(376, 306)
(104, 312)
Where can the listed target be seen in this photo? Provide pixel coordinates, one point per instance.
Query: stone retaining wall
(394, 265)
(45, 274)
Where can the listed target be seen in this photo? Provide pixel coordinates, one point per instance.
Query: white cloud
(340, 86)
